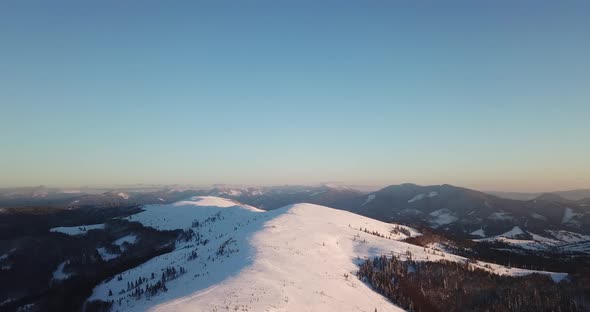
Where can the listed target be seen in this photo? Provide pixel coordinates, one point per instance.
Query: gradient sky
(484, 94)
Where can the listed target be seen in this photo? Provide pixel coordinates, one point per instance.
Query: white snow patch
(234, 192)
(512, 233)
(568, 215)
(129, 239)
(5, 256)
(442, 217)
(77, 230)
(538, 216)
(180, 215)
(569, 237)
(317, 193)
(500, 216)
(59, 273)
(558, 277)
(515, 231)
(161, 199)
(369, 199)
(479, 232)
(71, 192)
(123, 195)
(537, 242)
(422, 196)
(105, 254)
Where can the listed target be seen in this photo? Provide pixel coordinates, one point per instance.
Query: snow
(569, 237)
(567, 241)
(568, 215)
(300, 257)
(129, 239)
(59, 273)
(583, 247)
(71, 192)
(442, 217)
(5, 257)
(422, 196)
(558, 277)
(317, 193)
(369, 199)
(479, 232)
(77, 230)
(230, 192)
(180, 215)
(7, 301)
(123, 195)
(234, 192)
(538, 216)
(161, 199)
(500, 216)
(513, 233)
(122, 242)
(105, 254)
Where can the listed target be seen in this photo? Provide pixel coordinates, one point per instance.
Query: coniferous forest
(451, 286)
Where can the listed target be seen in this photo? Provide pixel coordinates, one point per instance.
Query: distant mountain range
(457, 210)
(571, 194)
(131, 249)
(267, 198)
(465, 211)
(270, 198)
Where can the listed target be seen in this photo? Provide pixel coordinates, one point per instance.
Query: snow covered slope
(563, 241)
(300, 257)
(77, 230)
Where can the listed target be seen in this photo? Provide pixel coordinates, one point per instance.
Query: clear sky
(483, 94)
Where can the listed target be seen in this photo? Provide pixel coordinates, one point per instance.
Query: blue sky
(485, 94)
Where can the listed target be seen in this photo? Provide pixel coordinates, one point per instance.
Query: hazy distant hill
(269, 198)
(464, 211)
(571, 194)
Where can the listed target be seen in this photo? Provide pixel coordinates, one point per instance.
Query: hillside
(468, 213)
(301, 257)
(273, 197)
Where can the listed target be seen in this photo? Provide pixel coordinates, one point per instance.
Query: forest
(454, 286)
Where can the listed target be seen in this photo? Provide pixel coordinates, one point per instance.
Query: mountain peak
(551, 197)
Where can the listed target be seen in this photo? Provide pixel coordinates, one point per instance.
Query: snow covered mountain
(574, 195)
(273, 197)
(463, 211)
(234, 257)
